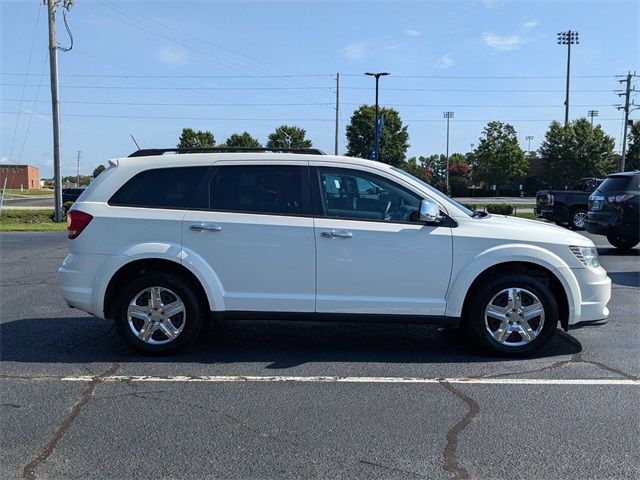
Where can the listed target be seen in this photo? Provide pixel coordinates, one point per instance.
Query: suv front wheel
(158, 313)
(623, 243)
(513, 315)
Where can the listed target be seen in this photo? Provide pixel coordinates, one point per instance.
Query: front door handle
(337, 234)
(202, 227)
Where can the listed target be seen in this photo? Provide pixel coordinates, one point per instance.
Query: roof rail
(161, 151)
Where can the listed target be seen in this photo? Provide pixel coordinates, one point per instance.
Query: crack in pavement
(29, 470)
(576, 358)
(451, 462)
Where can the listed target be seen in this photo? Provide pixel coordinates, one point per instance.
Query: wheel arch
(529, 268)
(142, 266)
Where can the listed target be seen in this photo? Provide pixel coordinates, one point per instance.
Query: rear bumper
(82, 283)
(610, 223)
(543, 212)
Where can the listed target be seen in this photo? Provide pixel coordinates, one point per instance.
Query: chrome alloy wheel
(579, 219)
(514, 317)
(156, 315)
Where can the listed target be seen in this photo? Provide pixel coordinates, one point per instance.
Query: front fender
(468, 272)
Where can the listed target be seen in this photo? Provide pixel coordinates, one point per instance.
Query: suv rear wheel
(623, 243)
(158, 313)
(512, 315)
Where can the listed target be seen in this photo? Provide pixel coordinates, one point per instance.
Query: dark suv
(614, 210)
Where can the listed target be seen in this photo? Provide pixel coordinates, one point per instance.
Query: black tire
(623, 243)
(191, 321)
(577, 219)
(474, 321)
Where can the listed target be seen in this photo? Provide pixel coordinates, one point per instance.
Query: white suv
(159, 242)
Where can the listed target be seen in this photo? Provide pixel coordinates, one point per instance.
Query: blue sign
(376, 145)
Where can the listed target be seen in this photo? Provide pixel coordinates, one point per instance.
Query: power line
(199, 104)
(155, 117)
(96, 75)
(484, 76)
(472, 90)
(24, 85)
(172, 88)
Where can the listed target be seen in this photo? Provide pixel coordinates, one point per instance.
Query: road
(29, 202)
(76, 403)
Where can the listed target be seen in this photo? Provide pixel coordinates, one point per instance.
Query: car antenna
(134, 141)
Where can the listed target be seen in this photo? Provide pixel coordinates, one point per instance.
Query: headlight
(588, 256)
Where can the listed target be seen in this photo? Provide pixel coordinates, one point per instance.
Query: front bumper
(594, 292)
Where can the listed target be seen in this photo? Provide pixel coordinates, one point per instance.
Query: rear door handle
(202, 227)
(337, 234)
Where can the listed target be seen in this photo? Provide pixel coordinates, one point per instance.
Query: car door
(257, 235)
(373, 257)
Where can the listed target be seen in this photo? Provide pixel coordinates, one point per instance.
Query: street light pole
(376, 147)
(592, 113)
(448, 116)
(567, 38)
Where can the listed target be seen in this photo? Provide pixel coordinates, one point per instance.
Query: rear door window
(266, 189)
(173, 188)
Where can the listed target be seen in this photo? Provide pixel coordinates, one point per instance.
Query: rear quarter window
(173, 187)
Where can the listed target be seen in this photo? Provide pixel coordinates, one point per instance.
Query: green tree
(499, 160)
(456, 158)
(98, 170)
(575, 151)
(242, 140)
(632, 159)
(289, 136)
(192, 139)
(394, 141)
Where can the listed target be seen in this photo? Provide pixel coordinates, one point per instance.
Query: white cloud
(356, 51)
(412, 33)
(172, 56)
(445, 61)
(530, 24)
(502, 42)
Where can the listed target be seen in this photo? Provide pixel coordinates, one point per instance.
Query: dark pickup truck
(567, 207)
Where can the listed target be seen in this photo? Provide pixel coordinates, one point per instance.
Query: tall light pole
(79, 156)
(376, 147)
(528, 138)
(592, 113)
(448, 116)
(567, 38)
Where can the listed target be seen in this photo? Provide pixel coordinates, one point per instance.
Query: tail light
(550, 199)
(77, 221)
(619, 198)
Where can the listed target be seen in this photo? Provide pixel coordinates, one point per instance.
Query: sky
(151, 68)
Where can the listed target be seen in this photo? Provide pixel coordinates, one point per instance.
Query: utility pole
(567, 38)
(627, 96)
(593, 113)
(79, 155)
(448, 116)
(55, 109)
(376, 147)
(335, 148)
(528, 138)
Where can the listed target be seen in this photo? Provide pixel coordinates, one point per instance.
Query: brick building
(17, 176)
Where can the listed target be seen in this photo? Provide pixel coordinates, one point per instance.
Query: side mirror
(430, 212)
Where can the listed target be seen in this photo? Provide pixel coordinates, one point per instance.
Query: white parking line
(336, 379)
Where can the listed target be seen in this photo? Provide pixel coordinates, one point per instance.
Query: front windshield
(434, 190)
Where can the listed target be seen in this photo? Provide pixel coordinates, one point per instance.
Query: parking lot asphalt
(268, 399)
